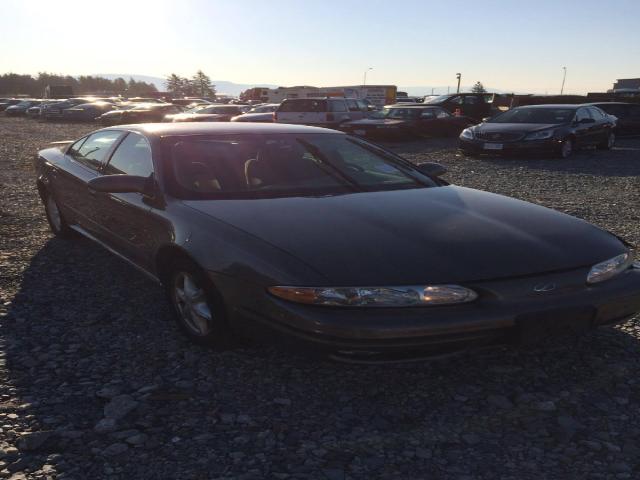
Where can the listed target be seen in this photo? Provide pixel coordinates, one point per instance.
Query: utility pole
(364, 80)
(564, 77)
(458, 76)
(431, 90)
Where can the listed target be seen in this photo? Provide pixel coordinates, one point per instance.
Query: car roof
(221, 128)
(414, 105)
(555, 105)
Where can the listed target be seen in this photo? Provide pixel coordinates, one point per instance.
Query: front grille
(500, 136)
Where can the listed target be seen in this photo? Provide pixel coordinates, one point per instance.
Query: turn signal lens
(610, 268)
(409, 296)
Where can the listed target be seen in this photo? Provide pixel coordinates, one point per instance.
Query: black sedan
(325, 239)
(627, 114)
(411, 120)
(139, 113)
(209, 113)
(21, 108)
(544, 129)
(87, 112)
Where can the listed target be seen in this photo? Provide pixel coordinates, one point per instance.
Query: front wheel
(608, 142)
(566, 148)
(57, 223)
(199, 310)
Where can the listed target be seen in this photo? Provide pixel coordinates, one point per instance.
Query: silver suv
(320, 112)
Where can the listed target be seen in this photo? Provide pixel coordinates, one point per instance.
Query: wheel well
(165, 258)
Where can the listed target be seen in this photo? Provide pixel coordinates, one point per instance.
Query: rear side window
(427, 114)
(94, 149)
(306, 105)
(596, 113)
(132, 157)
(337, 106)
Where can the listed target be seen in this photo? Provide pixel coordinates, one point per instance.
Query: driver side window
(132, 157)
(581, 114)
(92, 152)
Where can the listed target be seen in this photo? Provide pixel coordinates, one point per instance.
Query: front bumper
(504, 313)
(478, 147)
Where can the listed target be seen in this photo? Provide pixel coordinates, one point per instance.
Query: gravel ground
(96, 382)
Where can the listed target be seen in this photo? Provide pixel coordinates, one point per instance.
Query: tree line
(17, 84)
(199, 85)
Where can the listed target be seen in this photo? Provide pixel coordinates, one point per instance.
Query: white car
(320, 112)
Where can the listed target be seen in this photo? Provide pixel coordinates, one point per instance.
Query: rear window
(303, 105)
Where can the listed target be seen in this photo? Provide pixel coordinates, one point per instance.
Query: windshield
(396, 113)
(258, 166)
(438, 99)
(535, 115)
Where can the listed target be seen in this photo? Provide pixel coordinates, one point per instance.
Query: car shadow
(83, 321)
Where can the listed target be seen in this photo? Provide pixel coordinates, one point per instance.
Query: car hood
(514, 127)
(426, 235)
(376, 122)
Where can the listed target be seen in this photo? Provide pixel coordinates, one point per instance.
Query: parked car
(327, 240)
(546, 129)
(209, 113)
(7, 102)
(87, 112)
(321, 112)
(35, 111)
(408, 120)
(258, 114)
(20, 108)
(139, 113)
(628, 115)
(54, 111)
(190, 101)
(474, 105)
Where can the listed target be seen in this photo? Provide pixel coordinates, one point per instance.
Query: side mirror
(432, 169)
(120, 184)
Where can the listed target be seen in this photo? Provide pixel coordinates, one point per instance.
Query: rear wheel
(57, 223)
(566, 148)
(199, 310)
(608, 142)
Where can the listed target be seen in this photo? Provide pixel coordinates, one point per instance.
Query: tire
(566, 148)
(198, 307)
(57, 223)
(608, 142)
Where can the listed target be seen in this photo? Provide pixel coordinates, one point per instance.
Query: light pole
(364, 81)
(564, 77)
(458, 76)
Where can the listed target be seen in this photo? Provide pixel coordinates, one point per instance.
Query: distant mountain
(222, 86)
(232, 88)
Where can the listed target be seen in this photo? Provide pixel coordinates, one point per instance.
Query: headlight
(411, 296)
(542, 135)
(610, 268)
(467, 133)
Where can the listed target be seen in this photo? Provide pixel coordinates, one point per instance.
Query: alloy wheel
(190, 300)
(566, 149)
(54, 213)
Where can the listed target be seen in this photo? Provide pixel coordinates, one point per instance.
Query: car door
(601, 127)
(584, 124)
(428, 122)
(127, 222)
(83, 162)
